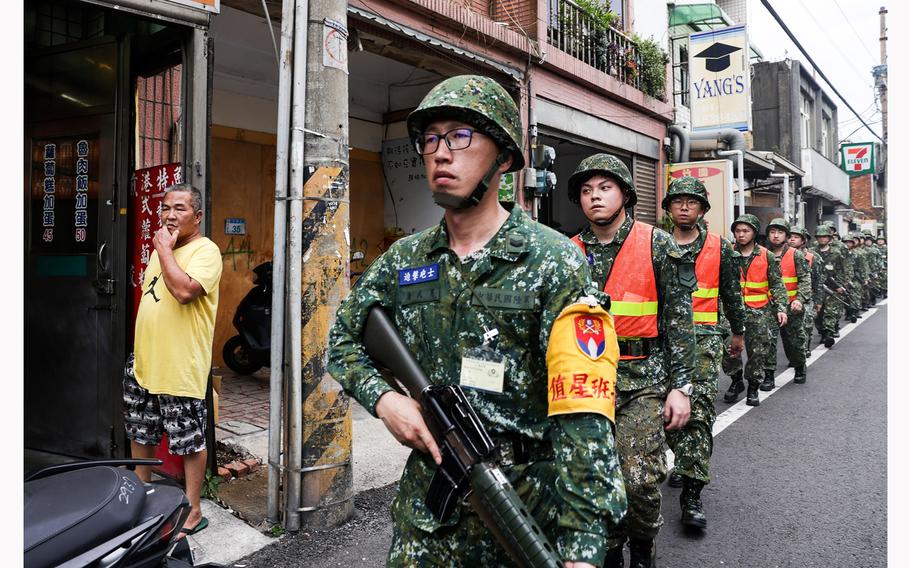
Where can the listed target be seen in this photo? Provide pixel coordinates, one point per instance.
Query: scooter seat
(72, 512)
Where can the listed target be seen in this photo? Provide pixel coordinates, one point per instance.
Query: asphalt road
(799, 481)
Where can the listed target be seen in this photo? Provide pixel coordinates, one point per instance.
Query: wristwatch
(686, 389)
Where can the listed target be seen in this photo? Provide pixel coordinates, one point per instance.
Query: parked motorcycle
(97, 514)
(249, 351)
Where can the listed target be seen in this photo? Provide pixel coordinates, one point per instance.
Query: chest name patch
(418, 274)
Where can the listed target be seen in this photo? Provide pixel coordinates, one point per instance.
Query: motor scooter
(251, 350)
(97, 514)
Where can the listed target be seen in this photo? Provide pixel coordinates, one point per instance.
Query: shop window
(51, 23)
(159, 117)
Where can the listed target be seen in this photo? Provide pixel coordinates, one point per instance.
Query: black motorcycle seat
(72, 512)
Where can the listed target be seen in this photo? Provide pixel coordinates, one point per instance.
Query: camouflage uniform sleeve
(730, 290)
(675, 279)
(776, 284)
(348, 362)
(804, 278)
(589, 483)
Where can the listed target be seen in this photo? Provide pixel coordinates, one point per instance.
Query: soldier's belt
(639, 347)
(518, 450)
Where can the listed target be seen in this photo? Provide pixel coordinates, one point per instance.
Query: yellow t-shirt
(174, 341)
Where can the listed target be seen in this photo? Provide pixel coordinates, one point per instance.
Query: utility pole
(881, 83)
(327, 486)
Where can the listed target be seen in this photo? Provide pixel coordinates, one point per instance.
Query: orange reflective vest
(788, 273)
(707, 271)
(632, 286)
(809, 257)
(754, 282)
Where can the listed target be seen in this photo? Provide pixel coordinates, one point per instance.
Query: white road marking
(739, 409)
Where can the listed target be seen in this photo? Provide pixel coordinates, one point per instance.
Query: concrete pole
(326, 469)
(883, 94)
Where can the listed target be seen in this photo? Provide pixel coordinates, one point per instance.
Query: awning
(703, 17)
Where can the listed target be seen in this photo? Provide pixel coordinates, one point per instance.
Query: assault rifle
(832, 294)
(469, 457)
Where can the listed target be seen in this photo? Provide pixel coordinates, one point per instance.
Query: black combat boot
(614, 558)
(675, 479)
(693, 513)
(736, 387)
(800, 376)
(828, 341)
(768, 383)
(752, 394)
(642, 553)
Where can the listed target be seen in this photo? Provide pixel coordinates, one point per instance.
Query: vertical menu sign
(145, 218)
(64, 194)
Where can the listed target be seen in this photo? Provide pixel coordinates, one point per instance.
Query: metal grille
(159, 118)
(50, 23)
(645, 178)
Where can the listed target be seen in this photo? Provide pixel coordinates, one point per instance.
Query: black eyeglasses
(456, 139)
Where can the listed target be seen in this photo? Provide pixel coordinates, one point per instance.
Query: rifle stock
(469, 456)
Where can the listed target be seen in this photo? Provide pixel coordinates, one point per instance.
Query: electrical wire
(792, 37)
(856, 33)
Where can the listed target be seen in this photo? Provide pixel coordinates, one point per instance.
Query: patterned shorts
(147, 416)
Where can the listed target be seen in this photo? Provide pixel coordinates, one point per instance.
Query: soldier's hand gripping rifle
(469, 456)
(832, 294)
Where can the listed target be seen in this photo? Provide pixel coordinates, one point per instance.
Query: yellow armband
(582, 356)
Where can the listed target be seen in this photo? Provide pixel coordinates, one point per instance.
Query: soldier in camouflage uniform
(831, 293)
(859, 278)
(650, 291)
(717, 272)
(799, 239)
(881, 244)
(765, 296)
(841, 249)
(797, 280)
(876, 263)
(481, 268)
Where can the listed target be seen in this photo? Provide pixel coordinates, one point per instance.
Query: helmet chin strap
(456, 203)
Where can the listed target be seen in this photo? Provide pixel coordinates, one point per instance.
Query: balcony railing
(573, 30)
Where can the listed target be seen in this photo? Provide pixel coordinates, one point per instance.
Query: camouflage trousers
(830, 316)
(469, 542)
(858, 294)
(759, 341)
(794, 338)
(693, 444)
(640, 445)
(809, 325)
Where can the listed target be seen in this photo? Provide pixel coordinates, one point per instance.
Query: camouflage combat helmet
(824, 231)
(849, 237)
(780, 223)
(799, 230)
(687, 185)
(806, 234)
(868, 235)
(479, 101)
(747, 219)
(606, 164)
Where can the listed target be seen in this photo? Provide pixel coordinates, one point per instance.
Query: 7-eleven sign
(858, 159)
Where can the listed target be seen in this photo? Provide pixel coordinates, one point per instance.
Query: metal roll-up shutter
(645, 178)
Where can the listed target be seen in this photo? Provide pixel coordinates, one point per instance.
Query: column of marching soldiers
(473, 296)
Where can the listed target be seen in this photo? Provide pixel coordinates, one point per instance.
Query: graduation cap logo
(717, 56)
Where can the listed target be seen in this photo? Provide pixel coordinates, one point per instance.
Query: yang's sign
(858, 159)
(719, 94)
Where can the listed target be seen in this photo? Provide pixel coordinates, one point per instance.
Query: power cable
(792, 37)
(854, 30)
(847, 58)
(857, 129)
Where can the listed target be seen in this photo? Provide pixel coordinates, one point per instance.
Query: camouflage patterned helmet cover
(476, 100)
(849, 237)
(824, 231)
(806, 234)
(606, 164)
(780, 223)
(868, 234)
(748, 219)
(687, 185)
(799, 230)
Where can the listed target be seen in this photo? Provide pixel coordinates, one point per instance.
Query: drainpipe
(785, 193)
(295, 255)
(742, 181)
(279, 259)
(680, 148)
